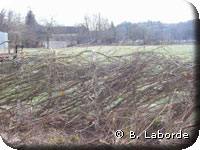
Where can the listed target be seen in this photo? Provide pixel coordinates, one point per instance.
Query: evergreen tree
(30, 19)
(30, 31)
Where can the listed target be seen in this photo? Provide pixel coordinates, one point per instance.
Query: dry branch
(92, 92)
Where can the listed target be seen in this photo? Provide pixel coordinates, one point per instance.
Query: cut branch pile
(90, 95)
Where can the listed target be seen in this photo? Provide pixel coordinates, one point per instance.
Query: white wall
(56, 44)
(3, 37)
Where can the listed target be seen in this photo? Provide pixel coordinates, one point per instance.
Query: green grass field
(186, 52)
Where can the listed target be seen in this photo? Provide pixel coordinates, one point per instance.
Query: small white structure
(3, 38)
(56, 44)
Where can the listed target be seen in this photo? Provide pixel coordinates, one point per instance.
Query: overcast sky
(72, 12)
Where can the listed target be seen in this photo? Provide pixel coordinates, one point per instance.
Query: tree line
(101, 31)
(95, 29)
(27, 32)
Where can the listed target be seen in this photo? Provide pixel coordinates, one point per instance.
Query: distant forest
(156, 31)
(94, 30)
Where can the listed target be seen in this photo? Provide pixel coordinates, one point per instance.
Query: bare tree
(97, 25)
(12, 23)
(2, 20)
(48, 30)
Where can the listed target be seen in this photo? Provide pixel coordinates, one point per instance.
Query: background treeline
(94, 30)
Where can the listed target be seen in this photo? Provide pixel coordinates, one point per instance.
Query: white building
(56, 44)
(3, 38)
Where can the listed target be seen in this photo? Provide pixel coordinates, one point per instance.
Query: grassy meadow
(186, 52)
